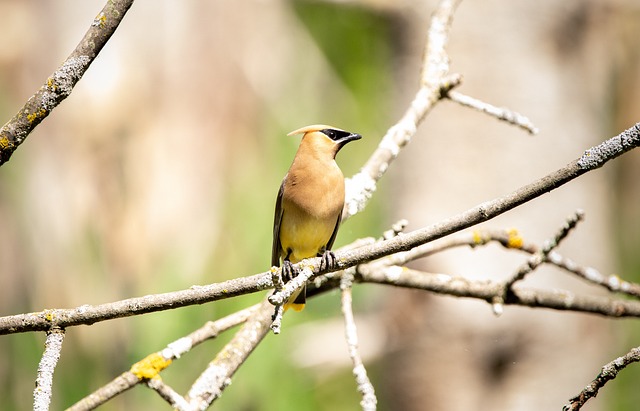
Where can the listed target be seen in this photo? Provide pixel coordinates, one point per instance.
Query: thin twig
(537, 259)
(365, 388)
(501, 113)
(151, 365)
(60, 84)
(487, 290)
(217, 376)
(167, 393)
(48, 362)
(511, 239)
(608, 373)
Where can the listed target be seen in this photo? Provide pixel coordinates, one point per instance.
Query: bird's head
(326, 138)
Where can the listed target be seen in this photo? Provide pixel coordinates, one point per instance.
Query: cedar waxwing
(309, 204)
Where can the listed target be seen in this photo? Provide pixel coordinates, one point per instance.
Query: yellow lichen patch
(477, 237)
(49, 315)
(38, 114)
(514, 239)
(5, 143)
(150, 366)
(100, 20)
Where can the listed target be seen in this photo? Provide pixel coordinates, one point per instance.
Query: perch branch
(90, 314)
(60, 84)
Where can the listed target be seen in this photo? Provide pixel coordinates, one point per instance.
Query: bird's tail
(297, 301)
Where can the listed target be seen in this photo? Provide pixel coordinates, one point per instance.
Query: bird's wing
(335, 232)
(276, 247)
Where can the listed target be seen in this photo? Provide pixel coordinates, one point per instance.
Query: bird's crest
(314, 127)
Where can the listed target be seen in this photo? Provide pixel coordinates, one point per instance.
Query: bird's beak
(351, 137)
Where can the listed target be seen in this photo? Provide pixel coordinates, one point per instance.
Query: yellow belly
(304, 236)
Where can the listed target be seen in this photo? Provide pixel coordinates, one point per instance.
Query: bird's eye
(329, 133)
(334, 134)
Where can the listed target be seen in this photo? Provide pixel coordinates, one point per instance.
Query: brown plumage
(309, 204)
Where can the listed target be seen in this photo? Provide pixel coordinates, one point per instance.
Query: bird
(309, 205)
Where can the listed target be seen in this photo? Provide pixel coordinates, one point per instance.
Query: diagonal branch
(60, 84)
(608, 373)
(435, 83)
(217, 376)
(149, 367)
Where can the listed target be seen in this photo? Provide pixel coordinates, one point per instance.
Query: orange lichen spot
(514, 239)
(150, 366)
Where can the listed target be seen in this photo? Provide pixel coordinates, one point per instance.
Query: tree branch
(60, 84)
(608, 372)
(487, 290)
(365, 388)
(90, 314)
(217, 376)
(144, 370)
(501, 113)
(48, 362)
(435, 83)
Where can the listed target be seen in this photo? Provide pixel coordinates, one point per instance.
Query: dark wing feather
(335, 232)
(276, 247)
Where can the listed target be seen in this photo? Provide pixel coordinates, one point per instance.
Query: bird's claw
(288, 272)
(329, 261)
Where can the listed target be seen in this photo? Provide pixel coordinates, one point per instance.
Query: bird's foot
(288, 272)
(329, 261)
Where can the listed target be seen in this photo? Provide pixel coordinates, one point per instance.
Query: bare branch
(90, 314)
(365, 388)
(60, 84)
(48, 362)
(167, 393)
(608, 372)
(501, 113)
(488, 290)
(210, 384)
(145, 370)
(536, 260)
(435, 82)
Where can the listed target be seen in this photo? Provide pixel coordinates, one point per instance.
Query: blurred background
(160, 171)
